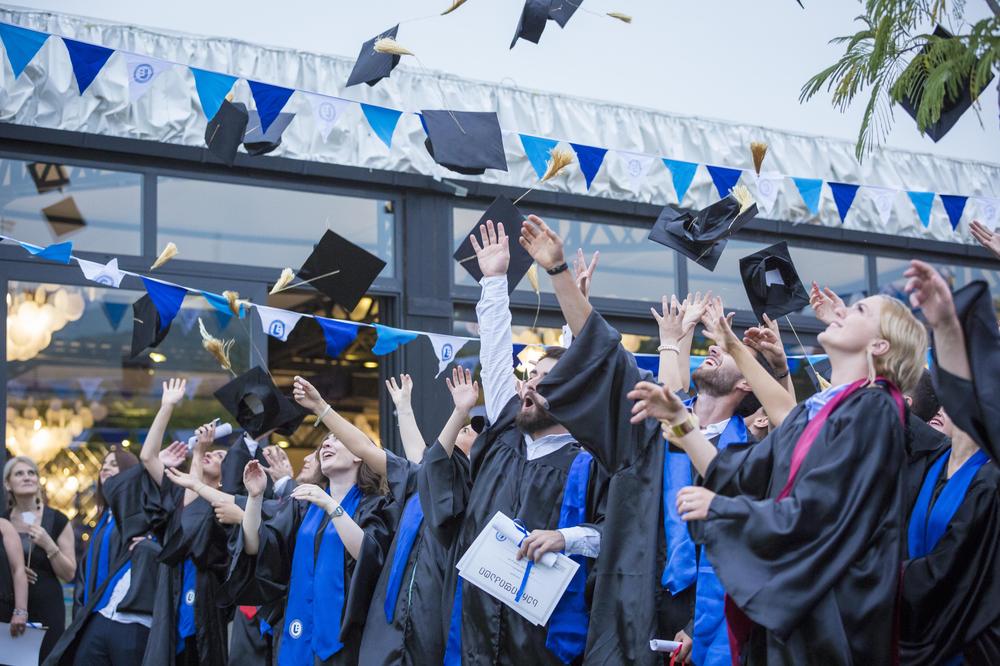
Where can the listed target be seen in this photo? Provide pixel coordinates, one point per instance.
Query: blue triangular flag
(809, 190)
(923, 201)
(21, 44)
(725, 179)
(682, 173)
(223, 318)
(270, 101)
(221, 303)
(382, 120)
(590, 158)
(338, 335)
(166, 297)
(58, 252)
(87, 60)
(390, 339)
(212, 89)
(954, 205)
(115, 312)
(537, 148)
(843, 196)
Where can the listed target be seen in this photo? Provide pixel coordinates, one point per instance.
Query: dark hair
(371, 482)
(555, 353)
(924, 401)
(125, 460)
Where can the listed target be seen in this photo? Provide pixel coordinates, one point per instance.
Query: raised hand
(174, 455)
(173, 391)
(929, 292)
(583, 273)
(254, 479)
(182, 479)
(825, 303)
(464, 391)
(306, 395)
(766, 340)
(400, 393)
(279, 464)
(204, 437)
(718, 326)
(671, 322)
(694, 310)
(494, 253)
(988, 239)
(543, 244)
(656, 402)
(313, 494)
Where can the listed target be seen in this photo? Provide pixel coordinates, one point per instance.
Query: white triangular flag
(277, 323)
(192, 386)
(327, 111)
(636, 166)
(91, 386)
(768, 185)
(142, 71)
(989, 210)
(445, 348)
(106, 274)
(884, 198)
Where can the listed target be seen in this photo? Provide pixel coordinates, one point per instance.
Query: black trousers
(107, 643)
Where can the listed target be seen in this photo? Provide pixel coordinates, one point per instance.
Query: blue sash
(453, 649)
(406, 535)
(567, 635)
(185, 605)
(928, 524)
(313, 629)
(97, 570)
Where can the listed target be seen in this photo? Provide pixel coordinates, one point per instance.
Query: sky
(742, 61)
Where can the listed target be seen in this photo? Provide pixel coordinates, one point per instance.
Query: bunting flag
(681, 174)
(636, 166)
(989, 210)
(212, 89)
(326, 111)
(142, 71)
(537, 148)
(445, 348)
(382, 121)
(922, 201)
(809, 189)
(270, 100)
(390, 339)
(188, 317)
(87, 60)
(843, 196)
(166, 297)
(193, 382)
(58, 252)
(590, 158)
(277, 323)
(954, 205)
(768, 185)
(91, 387)
(106, 274)
(338, 334)
(221, 303)
(222, 318)
(883, 197)
(21, 44)
(725, 179)
(114, 312)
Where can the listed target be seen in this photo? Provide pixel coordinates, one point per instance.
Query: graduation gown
(923, 446)
(86, 583)
(237, 457)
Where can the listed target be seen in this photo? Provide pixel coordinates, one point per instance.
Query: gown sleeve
(744, 469)
(262, 579)
(401, 475)
(444, 484)
(377, 517)
(135, 503)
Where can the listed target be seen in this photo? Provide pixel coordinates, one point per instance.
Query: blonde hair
(8, 468)
(904, 363)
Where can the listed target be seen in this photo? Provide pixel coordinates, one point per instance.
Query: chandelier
(32, 318)
(41, 436)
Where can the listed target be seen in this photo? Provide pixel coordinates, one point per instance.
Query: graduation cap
(340, 269)
(467, 142)
(500, 211)
(562, 11)
(47, 176)
(773, 286)
(226, 130)
(257, 404)
(478, 423)
(146, 333)
(532, 22)
(701, 236)
(372, 66)
(257, 142)
(64, 217)
(952, 108)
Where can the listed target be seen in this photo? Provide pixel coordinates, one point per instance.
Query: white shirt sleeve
(581, 540)
(496, 345)
(279, 485)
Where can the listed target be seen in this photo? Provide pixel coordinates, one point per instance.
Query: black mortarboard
(372, 66)
(63, 216)
(257, 404)
(146, 333)
(773, 286)
(47, 176)
(701, 236)
(532, 22)
(225, 131)
(467, 142)
(261, 143)
(500, 211)
(356, 268)
(562, 11)
(478, 423)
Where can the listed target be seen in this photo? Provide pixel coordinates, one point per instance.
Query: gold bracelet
(673, 431)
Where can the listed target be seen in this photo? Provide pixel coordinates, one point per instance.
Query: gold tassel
(169, 252)
(287, 275)
(758, 149)
(234, 301)
(391, 46)
(559, 159)
(216, 347)
(454, 5)
(624, 18)
(743, 196)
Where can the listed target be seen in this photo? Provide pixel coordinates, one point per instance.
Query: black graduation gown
(85, 565)
(586, 392)
(923, 446)
(237, 457)
(951, 596)
(503, 479)
(818, 572)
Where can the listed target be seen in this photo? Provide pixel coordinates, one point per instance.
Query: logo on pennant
(447, 351)
(143, 73)
(277, 329)
(327, 112)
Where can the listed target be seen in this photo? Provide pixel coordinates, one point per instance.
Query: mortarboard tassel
(169, 252)
(454, 5)
(216, 347)
(559, 159)
(758, 149)
(624, 18)
(234, 301)
(287, 275)
(743, 196)
(391, 46)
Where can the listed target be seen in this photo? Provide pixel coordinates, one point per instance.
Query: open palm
(493, 254)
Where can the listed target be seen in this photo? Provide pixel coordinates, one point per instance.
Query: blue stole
(928, 524)
(185, 604)
(313, 629)
(97, 570)
(406, 535)
(453, 648)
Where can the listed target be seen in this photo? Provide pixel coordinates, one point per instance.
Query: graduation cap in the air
(501, 211)
(146, 333)
(226, 130)
(257, 142)
(467, 142)
(64, 216)
(532, 22)
(952, 107)
(772, 283)
(562, 11)
(372, 66)
(702, 235)
(47, 176)
(258, 406)
(340, 269)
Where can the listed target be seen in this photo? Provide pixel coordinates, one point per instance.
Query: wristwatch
(337, 512)
(678, 430)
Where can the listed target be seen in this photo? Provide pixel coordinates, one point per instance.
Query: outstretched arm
(546, 248)
(766, 340)
(653, 401)
(173, 393)
(464, 393)
(196, 487)
(929, 292)
(672, 356)
(413, 441)
(255, 481)
(988, 239)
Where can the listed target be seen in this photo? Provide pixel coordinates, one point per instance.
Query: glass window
(892, 282)
(49, 202)
(265, 226)
(725, 280)
(630, 267)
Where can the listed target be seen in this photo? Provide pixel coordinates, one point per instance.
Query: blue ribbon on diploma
(527, 570)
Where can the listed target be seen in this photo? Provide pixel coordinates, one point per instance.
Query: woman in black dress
(13, 580)
(48, 544)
